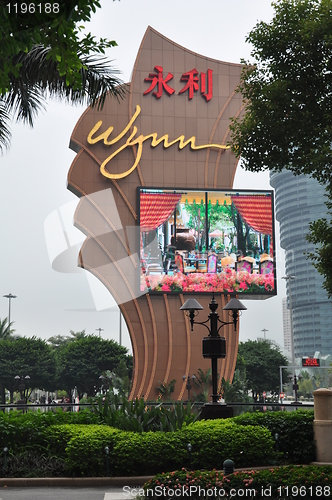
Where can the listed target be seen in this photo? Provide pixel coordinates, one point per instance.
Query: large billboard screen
(195, 241)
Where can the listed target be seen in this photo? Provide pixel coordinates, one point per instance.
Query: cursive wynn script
(138, 141)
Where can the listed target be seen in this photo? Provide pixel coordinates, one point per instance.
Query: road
(66, 493)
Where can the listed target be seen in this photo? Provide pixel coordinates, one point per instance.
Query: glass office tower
(298, 201)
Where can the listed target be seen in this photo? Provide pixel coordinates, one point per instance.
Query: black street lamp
(21, 387)
(295, 384)
(188, 384)
(214, 347)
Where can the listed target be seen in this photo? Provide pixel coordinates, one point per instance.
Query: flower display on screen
(229, 281)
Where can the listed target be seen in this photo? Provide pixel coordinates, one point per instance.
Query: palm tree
(77, 335)
(38, 77)
(166, 390)
(203, 382)
(6, 330)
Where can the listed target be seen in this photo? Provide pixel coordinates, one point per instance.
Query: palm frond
(96, 77)
(98, 80)
(38, 77)
(5, 134)
(25, 101)
(6, 330)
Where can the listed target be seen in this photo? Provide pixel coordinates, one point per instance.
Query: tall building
(286, 326)
(298, 201)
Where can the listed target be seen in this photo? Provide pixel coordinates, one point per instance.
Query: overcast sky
(34, 198)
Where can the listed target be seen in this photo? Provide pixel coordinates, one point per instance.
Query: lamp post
(120, 328)
(289, 278)
(214, 346)
(9, 296)
(188, 384)
(295, 384)
(264, 331)
(99, 330)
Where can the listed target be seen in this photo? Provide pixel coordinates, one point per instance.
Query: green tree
(234, 392)
(27, 357)
(122, 381)
(306, 386)
(6, 333)
(262, 363)
(47, 52)
(57, 340)
(237, 391)
(218, 216)
(82, 361)
(287, 91)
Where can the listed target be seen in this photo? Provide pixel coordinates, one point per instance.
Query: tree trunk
(3, 394)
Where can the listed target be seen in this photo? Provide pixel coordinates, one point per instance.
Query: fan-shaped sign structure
(171, 131)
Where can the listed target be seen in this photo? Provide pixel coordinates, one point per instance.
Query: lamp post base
(212, 411)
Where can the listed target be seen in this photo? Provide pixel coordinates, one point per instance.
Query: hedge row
(283, 482)
(247, 439)
(21, 431)
(148, 453)
(294, 429)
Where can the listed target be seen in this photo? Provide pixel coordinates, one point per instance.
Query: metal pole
(289, 278)
(292, 334)
(9, 296)
(99, 330)
(120, 330)
(213, 316)
(264, 331)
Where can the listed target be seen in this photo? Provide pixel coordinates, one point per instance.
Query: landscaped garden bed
(82, 444)
(305, 482)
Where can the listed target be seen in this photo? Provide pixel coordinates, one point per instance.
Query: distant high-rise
(286, 326)
(298, 201)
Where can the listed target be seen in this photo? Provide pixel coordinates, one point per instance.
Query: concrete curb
(81, 482)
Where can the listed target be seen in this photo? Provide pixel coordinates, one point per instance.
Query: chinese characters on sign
(160, 84)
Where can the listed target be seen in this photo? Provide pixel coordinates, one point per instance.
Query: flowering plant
(227, 281)
(278, 482)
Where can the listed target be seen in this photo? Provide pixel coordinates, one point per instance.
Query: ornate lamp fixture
(214, 346)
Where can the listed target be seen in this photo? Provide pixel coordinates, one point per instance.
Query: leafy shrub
(22, 431)
(284, 482)
(217, 440)
(32, 463)
(147, 453)
(137, 416)
(58, 437)
(295, 431)
(85, 451)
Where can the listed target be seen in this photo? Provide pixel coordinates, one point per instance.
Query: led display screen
(310, 362)
(207, 241)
